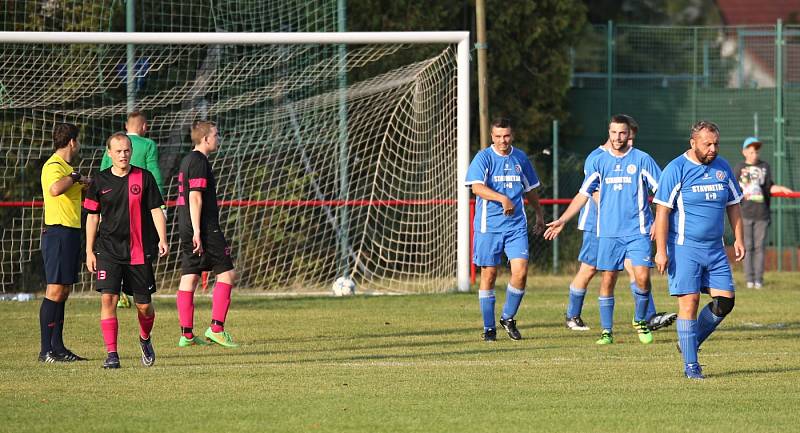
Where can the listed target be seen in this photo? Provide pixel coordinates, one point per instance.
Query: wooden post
(483, 96)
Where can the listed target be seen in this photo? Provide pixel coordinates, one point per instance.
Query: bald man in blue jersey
(696, 191)
(501, 176)
(622, 176)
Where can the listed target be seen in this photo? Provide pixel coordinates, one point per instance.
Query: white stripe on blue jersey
(622, 182)
(587, 219)
(511, 175)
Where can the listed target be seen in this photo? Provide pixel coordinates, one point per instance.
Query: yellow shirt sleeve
(51, 173)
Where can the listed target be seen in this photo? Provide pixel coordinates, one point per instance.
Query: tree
(672, 12)
(527, 54)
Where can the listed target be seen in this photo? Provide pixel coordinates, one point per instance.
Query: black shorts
(139, 279)
(216, 254)
(61, 251)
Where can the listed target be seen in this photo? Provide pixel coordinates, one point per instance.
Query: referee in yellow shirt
(61, 240)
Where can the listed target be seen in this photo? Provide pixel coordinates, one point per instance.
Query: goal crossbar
(461, 39)
(210, 38)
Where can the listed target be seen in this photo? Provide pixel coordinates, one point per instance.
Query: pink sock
(185, 303)
(110, 328)
(220, 303)
(146, 325)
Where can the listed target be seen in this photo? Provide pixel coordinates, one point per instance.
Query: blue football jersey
(624, 208)
(587, 219)
(698, 195)
(511, 175)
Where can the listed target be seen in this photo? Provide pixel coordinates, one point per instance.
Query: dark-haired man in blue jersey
(695, 192)
(500, 176)
(587, 223)
(621, 176)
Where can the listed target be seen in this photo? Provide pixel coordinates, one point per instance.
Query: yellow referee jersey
(64, 209)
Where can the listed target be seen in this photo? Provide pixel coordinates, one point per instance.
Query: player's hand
(739, 250)
(508, 206)
(653, 233)
(197, 245)
(661, 260)
(553, 229)
(163, 249)
(91, 262)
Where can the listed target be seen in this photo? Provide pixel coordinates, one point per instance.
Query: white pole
(462, 163)
(232, 38)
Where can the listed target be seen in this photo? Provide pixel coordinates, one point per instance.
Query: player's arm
(92, 205)
(63, 183)
(477, 176)
(555, 227)
(160, 222)
(779, 189)
(92, 221)
(533, 200)
(735, 218)
(195, 206)
(591, 184)
(486, 193)
(661, 231)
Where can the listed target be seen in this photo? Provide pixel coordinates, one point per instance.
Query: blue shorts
(612, 252)
(695, 270)
(61, 251)
(589, 247)
(488, 247)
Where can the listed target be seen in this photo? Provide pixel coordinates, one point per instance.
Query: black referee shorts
(139, 279)
(216, 254)
(61, 251)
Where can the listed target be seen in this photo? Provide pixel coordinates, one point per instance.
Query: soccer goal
(342, 154)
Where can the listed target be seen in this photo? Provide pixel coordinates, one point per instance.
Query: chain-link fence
(744, 78)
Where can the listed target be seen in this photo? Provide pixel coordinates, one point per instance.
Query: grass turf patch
(408, 364)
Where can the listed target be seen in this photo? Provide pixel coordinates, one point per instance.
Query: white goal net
(335, 160)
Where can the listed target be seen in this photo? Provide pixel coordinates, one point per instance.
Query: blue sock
(640, 301)
(513, 299)
(651, 306)
(575, 305)
(687, 338)
(606, 312)
(706, 324)
(486, 298)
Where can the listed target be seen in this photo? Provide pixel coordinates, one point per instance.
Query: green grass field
(409, 364)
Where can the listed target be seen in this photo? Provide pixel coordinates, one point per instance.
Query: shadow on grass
(350, 345)
(438, 332)
(437, 356)
(758, 372)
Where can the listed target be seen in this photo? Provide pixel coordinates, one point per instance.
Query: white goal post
(461, 39)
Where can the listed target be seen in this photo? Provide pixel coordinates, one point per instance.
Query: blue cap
(751, 141)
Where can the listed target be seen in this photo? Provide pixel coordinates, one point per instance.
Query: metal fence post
(694, 74)
(555, 192)
(779, 135)
(130, 73)
(609, 65)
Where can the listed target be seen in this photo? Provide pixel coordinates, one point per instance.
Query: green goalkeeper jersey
(144, 154)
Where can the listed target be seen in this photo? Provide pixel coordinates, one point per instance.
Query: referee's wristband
(75, 176)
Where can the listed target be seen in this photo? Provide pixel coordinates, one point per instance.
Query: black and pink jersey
(127, 233)
(195, 174)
